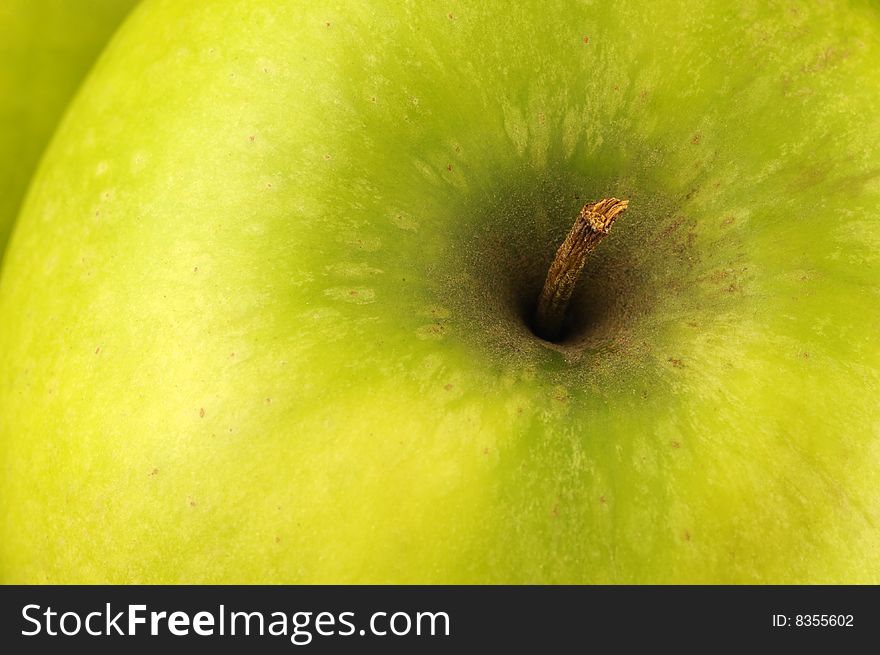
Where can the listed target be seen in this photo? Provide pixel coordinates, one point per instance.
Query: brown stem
(590, 227)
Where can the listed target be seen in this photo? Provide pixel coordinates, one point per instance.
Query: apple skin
(265, 307)
(46, 48)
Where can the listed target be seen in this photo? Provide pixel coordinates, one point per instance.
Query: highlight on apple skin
(269, 313)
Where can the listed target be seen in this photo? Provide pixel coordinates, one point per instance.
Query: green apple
(269, 305)
(46, 47)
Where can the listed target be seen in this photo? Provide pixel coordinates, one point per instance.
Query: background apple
(46, 47)
(270, 299)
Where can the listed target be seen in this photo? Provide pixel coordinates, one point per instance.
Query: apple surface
(269, 305)
(46, 48)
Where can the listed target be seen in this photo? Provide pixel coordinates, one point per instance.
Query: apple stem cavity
(590, 227)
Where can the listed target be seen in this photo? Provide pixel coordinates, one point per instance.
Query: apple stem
(590, 227)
